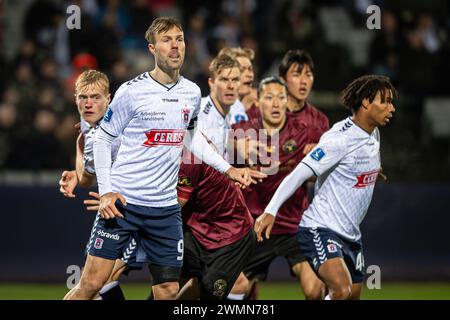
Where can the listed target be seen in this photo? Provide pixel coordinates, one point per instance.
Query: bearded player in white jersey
(138, 192)
(347, 163)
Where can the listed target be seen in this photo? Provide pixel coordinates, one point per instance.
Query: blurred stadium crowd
(40, 58)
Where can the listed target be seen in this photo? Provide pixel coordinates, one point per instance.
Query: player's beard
(168, 66)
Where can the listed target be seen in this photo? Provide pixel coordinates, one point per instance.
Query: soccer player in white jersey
(347, 163)
(245, 57)
(92, 98)
(138, 192)
(224, 82)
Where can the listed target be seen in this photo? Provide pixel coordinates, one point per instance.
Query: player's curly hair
(366, 87)
(221, 62)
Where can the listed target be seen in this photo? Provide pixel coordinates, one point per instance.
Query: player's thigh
(96, 271)
(119, 267)
(257, 266)
(335, 274)
(312, 286)
(324, 251)
(224, 265)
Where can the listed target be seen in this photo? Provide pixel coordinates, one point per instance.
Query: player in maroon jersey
(297, 71)
(286, 134)
(218, 231)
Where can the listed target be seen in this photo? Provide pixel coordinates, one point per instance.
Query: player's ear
(210, 83)
(151, 48)
(365, 103)
(108, 98)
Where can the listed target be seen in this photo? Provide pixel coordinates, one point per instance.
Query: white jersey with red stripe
(347, 163)
(152, 119)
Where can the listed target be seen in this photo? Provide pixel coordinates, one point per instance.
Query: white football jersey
(347, 163)
(213, 125)
(152, 119)
(237, 113)
(88, 154)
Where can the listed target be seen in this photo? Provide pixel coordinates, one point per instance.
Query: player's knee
(241, 286)
(342, 292)
(90, 286)
(166, 290)
(314, 291)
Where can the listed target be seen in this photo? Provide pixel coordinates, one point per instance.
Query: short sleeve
(331, 148)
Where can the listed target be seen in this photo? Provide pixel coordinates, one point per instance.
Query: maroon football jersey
(216, 212)
(316, 121)
(293, 137)
(253, 112)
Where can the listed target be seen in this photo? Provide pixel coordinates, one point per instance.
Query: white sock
(108, 287)
(236, 296)
(328, 297)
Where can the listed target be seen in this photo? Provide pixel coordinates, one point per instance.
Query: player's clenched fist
(264, 222)
(107, 208)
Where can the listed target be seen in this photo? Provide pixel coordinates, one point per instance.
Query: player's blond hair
(220, 62)
(238, 52)
(160, 25)
(92, 77)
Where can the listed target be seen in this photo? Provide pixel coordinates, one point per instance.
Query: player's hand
(256, 175)
(307, 149)
(264, 222)
(239, 175)
(107, 207)
(68, 183)
(92, 204)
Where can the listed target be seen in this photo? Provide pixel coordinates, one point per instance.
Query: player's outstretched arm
(199, 146)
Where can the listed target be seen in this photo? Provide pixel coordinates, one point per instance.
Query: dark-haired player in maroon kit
(297, 71)
(288, 135)
(218, 236)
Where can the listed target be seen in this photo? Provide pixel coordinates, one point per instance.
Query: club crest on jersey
(366, 179)
(317, 154)
(164, 137)
(185, 114)
(98, 243)
(332, 248)
(108, 115)
(184, 181)
(290, 146)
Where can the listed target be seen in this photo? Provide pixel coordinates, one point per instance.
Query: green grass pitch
(268, 290)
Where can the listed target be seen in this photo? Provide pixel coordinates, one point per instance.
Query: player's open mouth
(276, 114)
(88, 113)
(247, 83)
(229, 95)
(303, 91)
